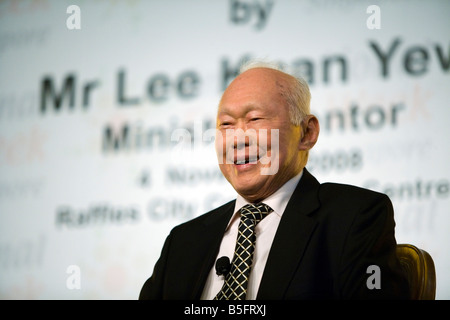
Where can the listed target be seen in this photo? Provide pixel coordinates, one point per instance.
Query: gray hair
(297, 95)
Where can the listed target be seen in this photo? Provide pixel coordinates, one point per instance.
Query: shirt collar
(277, 201)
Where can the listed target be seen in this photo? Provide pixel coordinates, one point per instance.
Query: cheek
(274, 142)
(285, 146)
(220, 145)
(268, 139)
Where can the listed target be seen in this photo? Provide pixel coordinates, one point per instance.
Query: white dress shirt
(265, 233)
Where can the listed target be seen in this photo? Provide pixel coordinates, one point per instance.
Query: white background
(54, 162)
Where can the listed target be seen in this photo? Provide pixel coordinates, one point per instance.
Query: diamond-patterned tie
(235, 285)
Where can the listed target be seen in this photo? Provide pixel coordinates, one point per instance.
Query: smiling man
(285, 236)
(257, 100)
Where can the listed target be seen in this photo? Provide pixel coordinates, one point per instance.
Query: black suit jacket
(328, 236)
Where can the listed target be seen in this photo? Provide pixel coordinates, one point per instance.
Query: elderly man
(286, 236)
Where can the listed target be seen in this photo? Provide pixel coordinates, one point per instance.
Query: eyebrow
(244, 109)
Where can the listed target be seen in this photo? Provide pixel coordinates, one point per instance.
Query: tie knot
(255, 212)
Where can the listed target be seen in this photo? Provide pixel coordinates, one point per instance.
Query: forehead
(255, 89)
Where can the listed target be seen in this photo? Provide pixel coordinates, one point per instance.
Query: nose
(241, 140)
(239, 145)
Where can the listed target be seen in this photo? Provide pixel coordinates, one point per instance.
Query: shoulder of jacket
(347, 191)
(205, 216)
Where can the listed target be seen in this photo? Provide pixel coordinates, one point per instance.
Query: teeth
(246, 161)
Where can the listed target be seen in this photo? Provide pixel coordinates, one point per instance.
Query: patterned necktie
(235, 285)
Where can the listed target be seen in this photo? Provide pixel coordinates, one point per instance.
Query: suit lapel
(291, 239)
(214, 228)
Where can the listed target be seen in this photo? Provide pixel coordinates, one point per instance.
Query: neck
(263, 193)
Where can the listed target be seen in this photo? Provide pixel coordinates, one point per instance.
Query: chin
(249, 187)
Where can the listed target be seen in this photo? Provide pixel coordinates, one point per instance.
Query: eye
(224, 123)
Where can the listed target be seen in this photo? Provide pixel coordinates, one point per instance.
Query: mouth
(244, 158)
(247, 159)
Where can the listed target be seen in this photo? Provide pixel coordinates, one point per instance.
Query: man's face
(250, 104)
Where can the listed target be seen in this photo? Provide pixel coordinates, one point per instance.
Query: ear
(310, 127)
